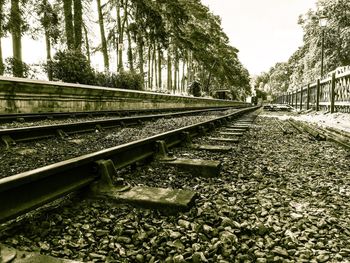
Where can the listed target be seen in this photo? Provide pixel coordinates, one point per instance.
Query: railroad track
(32, 189)
(25, 117)
(13, 135)
(268, 183)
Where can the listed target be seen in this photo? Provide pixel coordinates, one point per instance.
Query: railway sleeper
(171, 200)
(235, 126)
(197, 167)
(229, 133)
(212, 148)
(8, 254)
(187, 142)
(227, 140)
(235, 129)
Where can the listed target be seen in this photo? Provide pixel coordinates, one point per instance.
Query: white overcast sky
(264, 31)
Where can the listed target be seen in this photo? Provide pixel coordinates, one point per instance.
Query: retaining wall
(19, 95)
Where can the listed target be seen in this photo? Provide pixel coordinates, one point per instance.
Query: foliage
(128, 80)
(71, 66)
(16, 67)
(177, 33)
(261, 94)
(304, 66)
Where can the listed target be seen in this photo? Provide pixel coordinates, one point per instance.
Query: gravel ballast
(30, 155)
(280, 198)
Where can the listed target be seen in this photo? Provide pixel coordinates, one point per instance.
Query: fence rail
(331, 93)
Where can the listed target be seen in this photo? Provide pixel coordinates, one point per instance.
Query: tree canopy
(180, 40)
(304, 65)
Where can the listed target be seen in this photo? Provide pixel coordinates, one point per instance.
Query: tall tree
(16, 32)
(2, 2)
(49, 22)
(78, 24)
(68, 20)
(103, 36)
(87, 44)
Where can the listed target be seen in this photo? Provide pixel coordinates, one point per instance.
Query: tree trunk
(16, 38)
(48, 55)
(78, 25)
(1, 60)
(149, 68)
(169, 68)
(130, 56)
(152, 67)
(121, 27)
(116, 44)
(159, 67)
(87, 46)
(176, 67)
(155, 66)
(103, 37)
(120, 38)
(1, 34)
(183, 79)
(140, 51)
(48, 43)
(189, 68)
(68, 19)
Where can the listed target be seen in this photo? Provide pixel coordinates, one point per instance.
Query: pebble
(260, 209)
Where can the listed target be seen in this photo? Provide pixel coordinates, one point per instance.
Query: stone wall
(19, 95)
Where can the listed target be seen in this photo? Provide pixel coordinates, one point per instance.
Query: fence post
(288, 98)
(332, 92)
(301, 98)
(318, 95)
(308, 97)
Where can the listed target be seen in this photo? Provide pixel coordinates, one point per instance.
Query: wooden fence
(331, 93)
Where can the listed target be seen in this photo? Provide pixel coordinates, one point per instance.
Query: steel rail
(46, 131)
(81, 114)
(28, 190)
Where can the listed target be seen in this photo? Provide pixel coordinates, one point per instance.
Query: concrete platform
(8, 254)
(231, 133)
(212, 148)
(198, 167)
(230, 140)
(157, 197)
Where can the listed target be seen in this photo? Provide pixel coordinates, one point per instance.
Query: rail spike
(106, 170)
(162, 152)
(186, 141)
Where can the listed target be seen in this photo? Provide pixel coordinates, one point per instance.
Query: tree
(2, 67)
(68, 20)
(103, 36)
(78, 24)
(49, 22)
(304, 66)
(15, 25)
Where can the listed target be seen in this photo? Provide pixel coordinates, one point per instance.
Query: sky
(264, 31)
